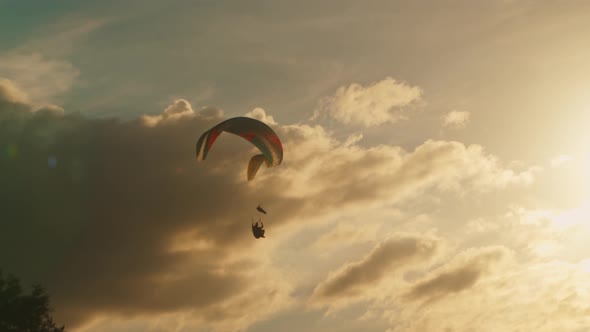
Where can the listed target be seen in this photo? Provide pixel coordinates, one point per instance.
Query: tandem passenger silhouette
(257, 230)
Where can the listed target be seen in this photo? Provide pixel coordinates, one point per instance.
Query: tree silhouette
(20, 312)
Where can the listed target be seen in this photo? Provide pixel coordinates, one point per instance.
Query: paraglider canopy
(252, 130)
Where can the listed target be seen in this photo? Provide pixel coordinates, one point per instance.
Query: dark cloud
(369, 106)
(91, 209)
(457, 278)
(353, 278)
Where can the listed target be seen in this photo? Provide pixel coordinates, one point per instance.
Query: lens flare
(11, 151)
(52, 162)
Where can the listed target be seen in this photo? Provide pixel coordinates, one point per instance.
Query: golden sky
(436, 172)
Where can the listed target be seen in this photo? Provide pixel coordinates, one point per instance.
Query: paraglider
(260, 209)
(258, 231)
(254, 131)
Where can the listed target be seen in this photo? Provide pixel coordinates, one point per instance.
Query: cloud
(259, 114)
(59, 38)
(346, 233)
(460, 275)
(15, 107)
(98, 225)
(45, 80)
(456, 119)
(260, 301)
(376, 104)
(13, 99)
(120, 221)
(11, 94)
(180, 109)
(38, 65)
(54, 110)
(396, 252)
(532, 296)
(319, 167)
(353, 139)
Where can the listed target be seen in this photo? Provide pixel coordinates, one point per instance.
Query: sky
(436, 171)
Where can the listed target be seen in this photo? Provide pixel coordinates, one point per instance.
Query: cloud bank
(117, 218)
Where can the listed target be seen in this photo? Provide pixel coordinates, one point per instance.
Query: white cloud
(320, 166)
(353, 139)
(38, 65)
(178, 110)
(456, 119)
(45, 80)
(260, 114)
(376, 104)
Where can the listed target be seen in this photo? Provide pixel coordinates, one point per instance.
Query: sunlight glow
(578, 216)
